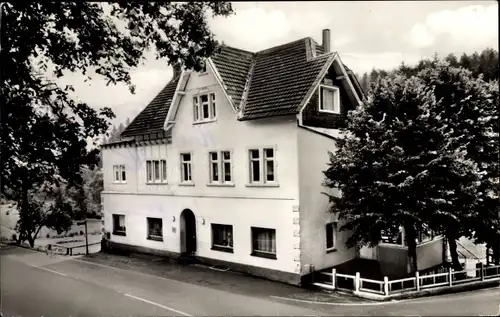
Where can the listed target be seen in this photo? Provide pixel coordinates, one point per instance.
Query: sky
(374, 34)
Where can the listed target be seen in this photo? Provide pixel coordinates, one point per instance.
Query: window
(155, 229)
(156, 171)
(262, 166)
(149, 171)
(163, 164)
(329, 99)
(119, 225)
(186, 168)
(222, 237)
(331, 236)
(120, 175)
(214, 167)
(425, 234)
(264, 242)
(220, 167)
(394, 235)
(204, 108)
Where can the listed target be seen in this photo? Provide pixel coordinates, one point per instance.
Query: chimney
(177, 69)
(326, 41)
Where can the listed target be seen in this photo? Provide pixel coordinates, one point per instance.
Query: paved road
(33, 284)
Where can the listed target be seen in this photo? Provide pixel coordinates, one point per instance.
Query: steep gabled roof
(281, 78)
(152, 118)
(268, 83)
(233, 66)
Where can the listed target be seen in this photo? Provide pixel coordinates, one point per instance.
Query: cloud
(252, 29)
(470, 28)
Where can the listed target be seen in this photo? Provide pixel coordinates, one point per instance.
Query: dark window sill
(331, 250)
(119, 233)
(155, 238)
(223, 249)
(264, 255)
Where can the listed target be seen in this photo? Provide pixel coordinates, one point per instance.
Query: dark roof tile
(281, 78)
(152, 118)
(278, 79)
(233, 66)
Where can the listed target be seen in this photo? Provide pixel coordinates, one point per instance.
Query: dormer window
(204, 108)
(329, 99)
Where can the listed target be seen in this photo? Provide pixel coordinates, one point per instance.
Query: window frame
(190, 169)
(263, 159)
(151, 171)
(334, 225)
(336, 99)
(119, 232)
(220, 162)
(218, 247)
(263, 253)
(198, 112)
(149, 235)
(122, 171)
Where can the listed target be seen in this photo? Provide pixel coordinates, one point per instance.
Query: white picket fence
(355, 283)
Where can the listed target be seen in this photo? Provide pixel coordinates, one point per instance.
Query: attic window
(329, 99)
(204, 109)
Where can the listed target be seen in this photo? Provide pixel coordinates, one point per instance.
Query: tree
(396, 166)
(113, 135)
(469, 119)
(44, 131)
(374, 165)
(48, 206)
(365, 84)
(93, 185)
(452, 59)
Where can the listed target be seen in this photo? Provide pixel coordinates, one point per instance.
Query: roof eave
(218, 78)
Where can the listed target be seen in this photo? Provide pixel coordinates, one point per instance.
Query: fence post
(450, 276)
(356, 282)
(417, 280)
(386, 285)
(311, 270)
(481, 271)
(334, 277)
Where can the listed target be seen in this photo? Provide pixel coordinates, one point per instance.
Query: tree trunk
(496, 252)
(452, 242)
(31, 241)
(410, 237)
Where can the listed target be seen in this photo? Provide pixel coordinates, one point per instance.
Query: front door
(189, 232)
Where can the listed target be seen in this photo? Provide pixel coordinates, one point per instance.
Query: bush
(48, 235)
(71, 235)
(81, 232)
(14, 237)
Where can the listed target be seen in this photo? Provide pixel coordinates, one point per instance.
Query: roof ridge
(238, 49)
(277, 47)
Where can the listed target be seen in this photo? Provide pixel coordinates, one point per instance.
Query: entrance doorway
(188, 232)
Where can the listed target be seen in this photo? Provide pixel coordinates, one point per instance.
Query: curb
(473, 286)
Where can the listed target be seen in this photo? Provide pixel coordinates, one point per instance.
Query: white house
(226, 165)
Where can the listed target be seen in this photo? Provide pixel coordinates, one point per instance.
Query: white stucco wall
(240, 205)
(314, 215)
(120, 156)
(267, 213)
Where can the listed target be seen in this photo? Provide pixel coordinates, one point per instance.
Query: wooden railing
(354, 283)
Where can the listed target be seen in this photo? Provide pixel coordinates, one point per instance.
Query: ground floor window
(222, 237)
(119, 225)
(264, 242)
(331, 236)
(155, 229)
